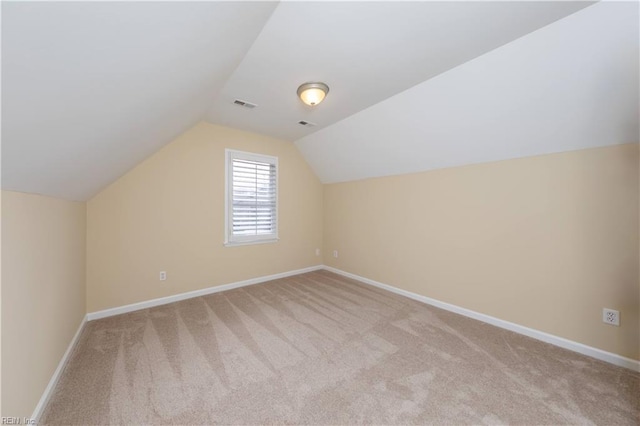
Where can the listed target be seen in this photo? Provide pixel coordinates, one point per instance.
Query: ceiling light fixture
(312, 93)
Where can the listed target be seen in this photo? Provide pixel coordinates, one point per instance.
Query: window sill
(250, 243)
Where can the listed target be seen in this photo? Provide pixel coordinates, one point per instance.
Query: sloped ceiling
(91, 89)
(366, 52)
(568, 86)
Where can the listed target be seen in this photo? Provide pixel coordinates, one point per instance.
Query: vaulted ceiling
(91, 89)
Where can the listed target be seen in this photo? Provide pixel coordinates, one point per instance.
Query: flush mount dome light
(312, 93)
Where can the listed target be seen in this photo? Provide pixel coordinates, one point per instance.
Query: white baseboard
(46, 395)
(609, 357)
(196, 293)
(536, 334)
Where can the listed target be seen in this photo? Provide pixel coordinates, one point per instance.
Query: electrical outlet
(163, 275)
(317, 252)
(335, 254)
(610, 316)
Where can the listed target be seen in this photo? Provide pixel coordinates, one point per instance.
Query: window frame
(238, 240)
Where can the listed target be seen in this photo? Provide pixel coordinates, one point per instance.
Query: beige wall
(43, 292)
(545, 242)
(1, 304)
(167, 214)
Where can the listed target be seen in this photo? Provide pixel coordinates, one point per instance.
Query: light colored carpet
(318, 348)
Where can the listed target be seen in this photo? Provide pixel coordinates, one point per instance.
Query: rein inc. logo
(17, 421)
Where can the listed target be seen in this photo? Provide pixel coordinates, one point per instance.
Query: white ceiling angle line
(571, 85)
(90, 89)
(110, 83)
(366, 52)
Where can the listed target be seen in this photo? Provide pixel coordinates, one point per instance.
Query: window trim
(229, 239)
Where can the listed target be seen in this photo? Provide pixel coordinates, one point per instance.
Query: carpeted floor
(318, 348)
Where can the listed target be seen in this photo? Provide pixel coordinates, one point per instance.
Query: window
(252, 198)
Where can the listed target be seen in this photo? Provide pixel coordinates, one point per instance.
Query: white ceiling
(91, 89)
(366, 52)
(568, 86)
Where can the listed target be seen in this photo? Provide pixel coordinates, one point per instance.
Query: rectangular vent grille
(244, 104)
(307, 123)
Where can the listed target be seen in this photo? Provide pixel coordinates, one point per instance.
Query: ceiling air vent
(244, 104)
(307, 123)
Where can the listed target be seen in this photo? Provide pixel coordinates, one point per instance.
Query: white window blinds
(252, 198)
